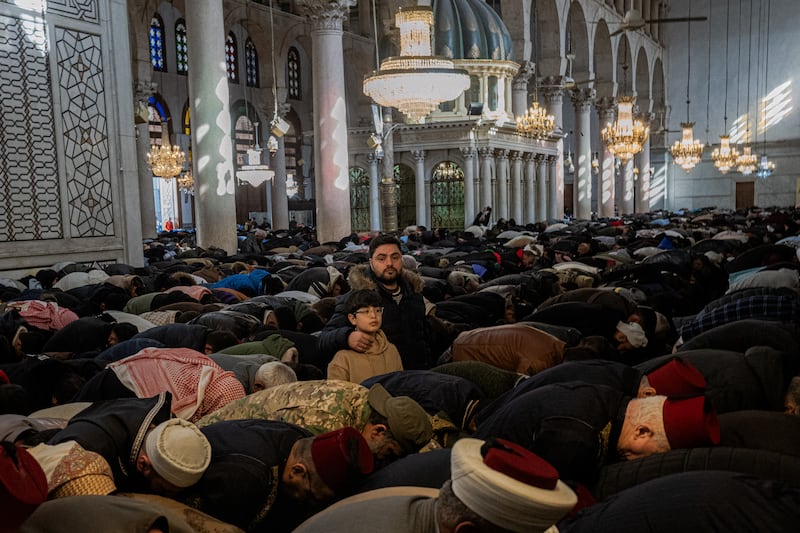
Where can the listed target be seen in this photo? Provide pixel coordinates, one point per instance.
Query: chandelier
(186, 182)
(688, 151)
(626, 136)
(166, 161)
(765, 168)
(725, 156)
(746, 163)
(536, 122)
(415, 82)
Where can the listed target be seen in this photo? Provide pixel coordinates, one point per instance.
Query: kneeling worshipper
(494, 486)
(269, 476)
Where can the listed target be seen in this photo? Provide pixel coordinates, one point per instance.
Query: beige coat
(349, 365)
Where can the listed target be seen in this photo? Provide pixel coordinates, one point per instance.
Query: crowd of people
(620, 374)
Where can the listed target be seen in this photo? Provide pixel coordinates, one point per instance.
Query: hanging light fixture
(186, 182)
(166, 161)
(536, 122)
(595, 163)
(626, 136)
(725, 156)
(688, 151)
(747, 162)
(765, 167)
(415, 82)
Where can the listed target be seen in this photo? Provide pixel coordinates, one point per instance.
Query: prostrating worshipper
(197, 384)
(23, 486)
(268, 476)
(694, 501)
(147, 451)
(392, 426)
(578, 427)
(496, 486)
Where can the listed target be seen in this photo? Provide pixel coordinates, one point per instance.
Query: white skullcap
(178, 451)
(634, 333)
(507, 501)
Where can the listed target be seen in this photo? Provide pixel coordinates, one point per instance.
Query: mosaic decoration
(29, 187)
(85, 10)
(86, 147)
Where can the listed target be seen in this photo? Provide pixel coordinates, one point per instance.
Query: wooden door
(745, 194)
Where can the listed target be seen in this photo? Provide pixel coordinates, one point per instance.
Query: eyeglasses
(370, 310)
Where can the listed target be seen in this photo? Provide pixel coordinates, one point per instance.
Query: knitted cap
(178, 451)
(407, 420)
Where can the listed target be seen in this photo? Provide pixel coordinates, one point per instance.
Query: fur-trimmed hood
(360, 277)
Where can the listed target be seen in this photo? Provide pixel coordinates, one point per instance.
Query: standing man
(402, 301)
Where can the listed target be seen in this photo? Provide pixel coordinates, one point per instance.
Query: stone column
(582, 188)
(147, 208)
(501, 184)
(388, 186)
(330, 117)
(553, 93)
(212, 147)
(555, 194)
(469, 185)
(607, 183)
(626, 203)
(541, 181)
(419, 181)
(516, 187)
(487, 158)
(530, 190)
(374, 193)
(642, 162)
(280, 202)
(519, 88)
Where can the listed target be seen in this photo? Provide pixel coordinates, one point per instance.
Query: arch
(406, 180)
(158, 113)
(359, 199)
(624, 76)
(158, 56)
(642, 81)
(576, 42)
(232, 58)
(603, 61)
(447, 196)
(659, 96)
(251, 70)
(546, 38)
(181, 48)
(293, 152)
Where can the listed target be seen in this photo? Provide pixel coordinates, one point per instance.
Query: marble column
(519, 88)
(501, 185)
(280, 202)
(583, 99)
(626, 203)
(388, 186)
(419, 182)
(212, 147)
(553, 94)
(606, 200)
(554, 192)
(487, 159)
(541, 182)
(516, 187)
(642, 162)
(469, 185)
(330, 117)
(530, 190)
(147, 208)
(374, 193)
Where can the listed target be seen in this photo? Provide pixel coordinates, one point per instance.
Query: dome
(470, 29)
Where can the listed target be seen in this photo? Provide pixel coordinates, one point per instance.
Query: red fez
(341, 457)
(690, 423)
(23, 486)
(519, 463)
(677, 378)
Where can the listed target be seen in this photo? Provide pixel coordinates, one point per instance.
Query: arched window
(157, 57)
(251, 63)
(245, 139)
(293, 75)
(181, 48)
(447, 196)
(359, 199)
(231, 58)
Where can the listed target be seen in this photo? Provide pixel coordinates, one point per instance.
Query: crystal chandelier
(415, 82)
(626, 136)
(536, 122)
(688, 151)
(765, 168)
(186, 182)
(166, 161)
(725, 156)
(746, 163)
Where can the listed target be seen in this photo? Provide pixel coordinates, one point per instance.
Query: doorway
(745, 194)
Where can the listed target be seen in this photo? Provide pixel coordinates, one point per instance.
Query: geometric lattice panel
(77, 9)
(86, 147)
(29, 186)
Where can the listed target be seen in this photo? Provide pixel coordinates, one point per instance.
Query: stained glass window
(293, 75)
(181, 48)
(251, 63)
(157, 57)
(231, 58)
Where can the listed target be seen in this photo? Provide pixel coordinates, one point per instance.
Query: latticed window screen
(359, 199)
(244, 140)
(231, 58)
(251, 63)
(447, 196)
(406, 196)
(157, 57)
(293, 75)
(181, 48)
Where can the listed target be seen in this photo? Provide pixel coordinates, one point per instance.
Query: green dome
(469, 29)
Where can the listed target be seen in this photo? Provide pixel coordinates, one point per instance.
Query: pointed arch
(232, 58)
(251, 64)
(181, 48)
(158, 57)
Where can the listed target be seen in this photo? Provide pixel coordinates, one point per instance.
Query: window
(157, 58)
(245, 139)
(251, 63)
(473, 95)
(181, 48)
(231, 58)
(493, 93)
(293, 74)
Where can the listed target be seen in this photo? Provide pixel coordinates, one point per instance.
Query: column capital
(419, 155)
(501, 154)
(551, 160)
(605, 106)
(486, 152)
(540, 158)
(467, 152)
(552, 89)
(517, 155)
(524, 74)
(529, 157)
(326, 14)
(582, 99)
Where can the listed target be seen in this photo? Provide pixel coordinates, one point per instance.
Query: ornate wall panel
(85, 10)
